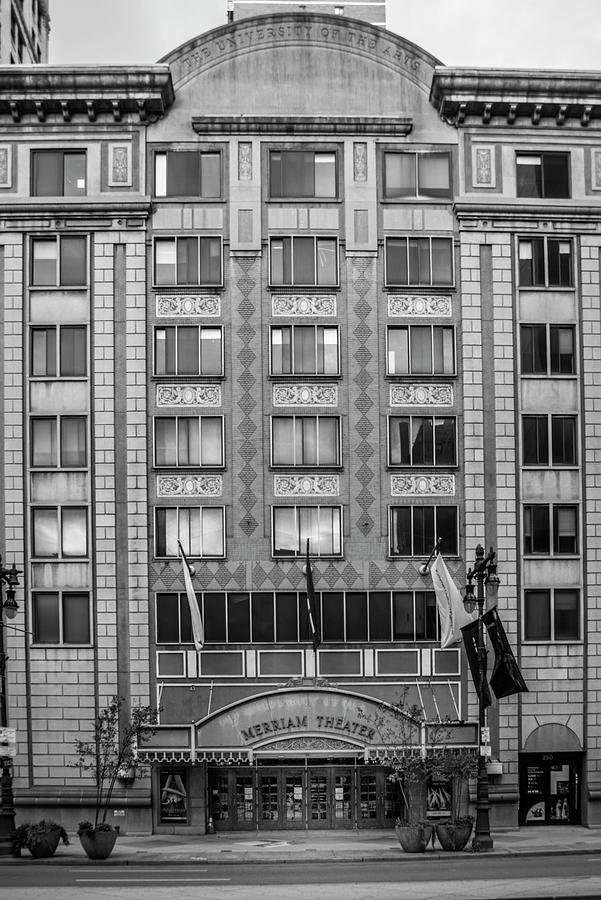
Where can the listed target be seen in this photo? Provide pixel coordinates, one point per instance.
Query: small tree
(112, 752)
(456, 765)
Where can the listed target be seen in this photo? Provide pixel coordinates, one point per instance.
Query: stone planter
(45, 845)
(98, 843)
(414, 838)
(453, 836)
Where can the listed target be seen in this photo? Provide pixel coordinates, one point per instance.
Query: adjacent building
(24, 31)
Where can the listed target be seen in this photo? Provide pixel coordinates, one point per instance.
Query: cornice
(588, 217)
(334, 125)
(75, 214)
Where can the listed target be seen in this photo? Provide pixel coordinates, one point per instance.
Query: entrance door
(232, 804)
(549, 789)
(331, 797)
(379, 801)
(282, 802)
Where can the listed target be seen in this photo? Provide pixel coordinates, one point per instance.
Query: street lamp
(8, 605)
(484, 572)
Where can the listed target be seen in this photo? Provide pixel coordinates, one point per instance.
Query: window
(545, 262)
(187, 261)
(188, 441)
(201, 530)
(414, 616)
(292, 525)
(59, 442)
(173, 622)
(536, 442)
(303, 261)
(60, 617)
(414, 530)
(417, 175)
(305, 441)
(187, 173)
(59, 262)
(421, 350)
(188, 350)
(58, 173)
(544, 175)
(58, 351)
(547, 350)
(305, 350)
(59, 532)
(426, 261)
(550, 529)
(421, 441)
(551, 615)
(302, 173)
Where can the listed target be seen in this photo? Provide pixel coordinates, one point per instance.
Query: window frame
(62, 596)
(537, 259)
(410, 369)
(544, 155)
(54, 338)
(552, 336)
(314, 152)
(177, 239)
(436, 531)
(58, 240)
(188, 550)
(59, 443)
(60, 535)
(304, 284)
(176, 419)
(303, 465)
(166, 153)
(330, 509)
(35, 156)
(292, 328)
(430, 284)
(176, 374)
(551, 596)
(418, 193)
(552, 530)
(411, 464)
(549, 420)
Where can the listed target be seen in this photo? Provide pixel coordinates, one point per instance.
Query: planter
(45, 845)
(414, 838)
(98, 843)
(453, 836)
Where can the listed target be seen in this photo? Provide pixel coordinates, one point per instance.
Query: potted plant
(111, 752)
(40, 838)
(456, 765)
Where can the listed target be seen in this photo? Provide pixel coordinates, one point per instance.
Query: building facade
(367, 316)
(24, 31)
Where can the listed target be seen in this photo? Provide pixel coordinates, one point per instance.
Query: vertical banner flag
(506, 678)
(198, 631)
(312, 604)
(451, 610)
(470, 640)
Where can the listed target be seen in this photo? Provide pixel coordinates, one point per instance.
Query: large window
(305, 350)
(419, 261)
(422, 441)
(58, 351)
(188, 441)
(302, 173)
(200, 529)
(58, 173)
(543, 175)
(547, 350)
(59, 441)
(305, 441)
(552, 615)
(550, 529)
(60, 617)
(187, 261)
(557, 434)
(414, 530)
(303, 261)
(417, 175)
(59, 532)
(187, 173)
(188, 350)
(292, 525)
(420, 350)
(545, 262)
(59, 261)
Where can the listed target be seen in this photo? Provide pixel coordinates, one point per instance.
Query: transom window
(61, 617)
(302, 173)
(187, 261)
(549, 440)
(426, 261)
(304, 350)
(59, 532)
(187, 173)
(292, 525)
(58, 173)
(421, 350)
(547, 350)
(305, 440)
(543, 175)
(59, 441)
(188, 441)
(545, 262)
(552, 615)
(550, 529)
(188, 350)
(59, 261)
(414, 530)
(303, 261)
(200, 529)
(422, 441)
(58, 351)
(417, 175)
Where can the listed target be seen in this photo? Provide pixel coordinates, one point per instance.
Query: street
(463, 878)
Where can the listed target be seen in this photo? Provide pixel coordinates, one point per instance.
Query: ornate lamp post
(8, 605)
(484, 572)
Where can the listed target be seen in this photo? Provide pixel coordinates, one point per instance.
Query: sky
(548, 34)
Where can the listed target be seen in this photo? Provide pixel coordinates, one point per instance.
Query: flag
(470, 640)
(312, 604)
(198, 631)
(506, 678)
(451, 610)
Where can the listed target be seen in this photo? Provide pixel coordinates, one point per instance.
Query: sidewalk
(314, 846)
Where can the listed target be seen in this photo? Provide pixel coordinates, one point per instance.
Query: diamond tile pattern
(246, 386)
(364, 426)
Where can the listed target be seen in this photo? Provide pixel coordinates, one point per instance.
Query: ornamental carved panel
(483, 166)
(188, 395)
(311, 743)
(422, 485)
(306, 485)
(417, 305)
(421, 395)
(597, 170)
(119, 165)
(305, 395)
(245, 161)
(5, 165)
(303, 304)
(359, 161)
(188, 305)
(189, 485)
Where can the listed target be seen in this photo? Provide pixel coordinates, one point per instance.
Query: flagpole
(424, 569)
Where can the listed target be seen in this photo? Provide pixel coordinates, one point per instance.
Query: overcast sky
(551, 34)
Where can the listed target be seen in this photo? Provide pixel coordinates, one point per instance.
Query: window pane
(534, 349)
(356, 616)
(281, 261)
(434, 174)
(536, 529)
(529, 176)
(424, 537)
(443, 351)
(326, 262)
(76, 619)
(325, 174)
(160, 174)
(262, 617)
(211, 357)
(421, 350)
(44, 255)
(304, 260)
(379, 616)
(563, 431)
(164, 261)
(286, 616)
(188, 361)
(47, 173)
(43, 351)
(566, 615)
(238, 618)
(210, 179)
(562, 350)
(565, 529)
(399, 175)
(442, 261)
(165, 441)
(446, 528)
(166, 535)
(332, 611)
(304, 350)
(422, 450)
(419, 261)
(327, 351)
(212, 532)
(556, 175)
(168, 619)
(210, 260)
(560, 263)
(399, 440)
(397, 271)
(214, 618)
(402, 616)
(74, 175)
(73, 355)
(45, 532)
(444, 442)
(183, 173)
(73, 261)
(46, 628)
(537, 615)
(285, 531)
(188, 441)
(536, 440)
(74, 531)
(43, 442)
(400, 528)
(211, 439)
(398, 351)
(73, 442)
(187, 260)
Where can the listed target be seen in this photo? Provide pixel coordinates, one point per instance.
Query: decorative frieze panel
(189, 485)
(305, 395)
(421, 395)
(188, 395)
(418, 305)
(188, 305)
(359, 161)
(596, 154)
(119, 165)
(483, 166)
(422, 485)
(245, 161)
(303, 305)
(306, 485)
(5, 166)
